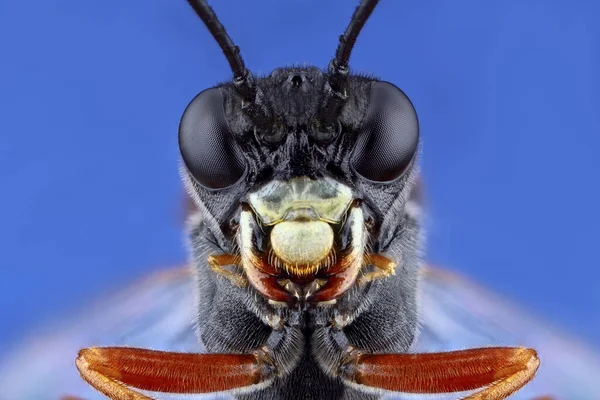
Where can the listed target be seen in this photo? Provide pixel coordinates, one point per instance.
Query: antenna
(242, 77)
(335, 88)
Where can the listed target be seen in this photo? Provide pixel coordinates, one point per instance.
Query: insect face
(297, 184)
(305, 247)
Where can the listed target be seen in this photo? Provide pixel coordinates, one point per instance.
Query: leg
(219, 261)
(112, 370)
(501, 370)
(384, 268)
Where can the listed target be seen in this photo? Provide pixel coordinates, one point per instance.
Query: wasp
(305, 247)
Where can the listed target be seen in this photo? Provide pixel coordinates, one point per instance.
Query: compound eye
(387, 144)
(206, 143)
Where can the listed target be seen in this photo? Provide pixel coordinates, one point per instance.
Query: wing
(158, 313)
(456, 314)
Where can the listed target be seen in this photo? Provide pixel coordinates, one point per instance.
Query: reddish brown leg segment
(111, 370)
(501, 370)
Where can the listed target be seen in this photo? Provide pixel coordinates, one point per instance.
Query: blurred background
(91, 94)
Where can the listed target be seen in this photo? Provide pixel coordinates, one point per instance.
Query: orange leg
(384, 268)
(219, 261)
(501, 370)
(112, 370)
(79, 398)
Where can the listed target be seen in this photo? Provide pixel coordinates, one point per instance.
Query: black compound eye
(206, 143)
(388, 141)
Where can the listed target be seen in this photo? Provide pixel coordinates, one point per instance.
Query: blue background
(91, 93)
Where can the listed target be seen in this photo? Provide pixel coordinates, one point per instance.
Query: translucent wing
(158, 313)
(459, 314)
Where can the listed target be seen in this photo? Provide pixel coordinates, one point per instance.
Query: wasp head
(302, 174)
